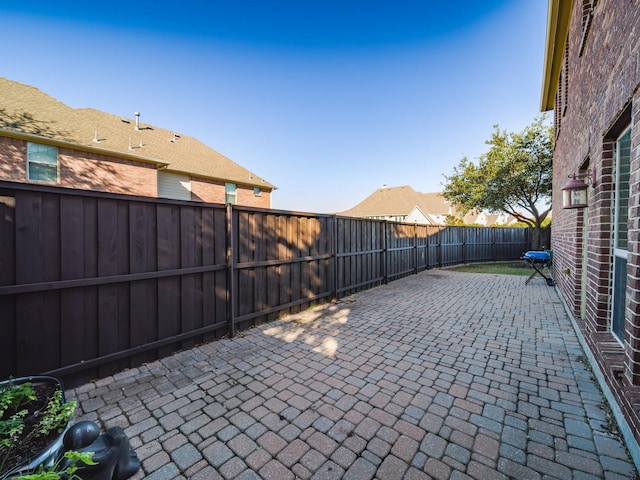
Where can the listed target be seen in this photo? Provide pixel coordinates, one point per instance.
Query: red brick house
(47, 142)
(591, 82)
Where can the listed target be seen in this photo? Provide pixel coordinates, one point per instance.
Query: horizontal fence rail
(92, 283)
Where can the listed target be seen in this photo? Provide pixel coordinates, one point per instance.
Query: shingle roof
(397, 201)
(26, 110)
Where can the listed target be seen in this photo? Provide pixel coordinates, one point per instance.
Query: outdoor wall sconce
(574, 193)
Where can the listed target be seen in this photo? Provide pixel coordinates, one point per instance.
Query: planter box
(49, 455)
(111, 450)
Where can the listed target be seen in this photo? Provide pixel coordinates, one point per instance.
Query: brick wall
(203, 190)
(88, 171)
(597, 98)
(212, 191)
(82, 170)
(13, 159)
(246, 196)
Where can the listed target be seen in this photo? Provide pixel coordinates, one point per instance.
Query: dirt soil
(28, 444)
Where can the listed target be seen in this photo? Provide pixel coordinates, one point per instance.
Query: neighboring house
(44, 141)
(592, 83)
(404, 204)
(489, 219)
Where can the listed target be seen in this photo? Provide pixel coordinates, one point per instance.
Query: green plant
(56, 415)
(13, 396)
(31, 416)
(58, 472)
(11, 428)
(508, 268)
(12, 423)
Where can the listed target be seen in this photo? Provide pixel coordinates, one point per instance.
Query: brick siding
(82, 170)
(212, 191)
(92, 171)
(598, 92)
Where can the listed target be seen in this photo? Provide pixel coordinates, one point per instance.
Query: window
(623, 165)
(256, 191)
(620, 233)
(173, 185)
(42, 162)
(231, 195)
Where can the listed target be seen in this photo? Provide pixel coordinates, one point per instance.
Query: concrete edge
(625, 429)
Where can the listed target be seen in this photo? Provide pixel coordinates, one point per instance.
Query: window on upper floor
(230, 191)
(174, 185)
(42, 162)
(257, 191)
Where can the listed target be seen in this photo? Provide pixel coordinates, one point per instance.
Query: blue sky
(328, 100)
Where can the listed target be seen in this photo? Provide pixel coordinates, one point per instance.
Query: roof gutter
(558, 18)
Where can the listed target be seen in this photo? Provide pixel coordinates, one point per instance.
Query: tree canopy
(513, 176)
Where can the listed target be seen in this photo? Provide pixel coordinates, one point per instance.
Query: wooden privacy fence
(93, 283)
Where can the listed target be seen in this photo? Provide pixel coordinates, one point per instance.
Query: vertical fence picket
(231, 284)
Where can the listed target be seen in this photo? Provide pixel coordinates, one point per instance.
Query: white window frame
(42, 155)
(619, 254)
(230, 193)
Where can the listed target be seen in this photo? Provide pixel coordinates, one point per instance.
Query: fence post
(439, 257)
(415, 246)
(385, 253)
(427, 264)
(494, 248)
(464, 244)
(334, 256)
(231, 293)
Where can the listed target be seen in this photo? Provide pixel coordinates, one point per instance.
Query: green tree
(513, 176)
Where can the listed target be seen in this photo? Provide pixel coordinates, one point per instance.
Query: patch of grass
(504, 268)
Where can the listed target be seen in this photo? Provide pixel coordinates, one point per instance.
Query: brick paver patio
(439, 375)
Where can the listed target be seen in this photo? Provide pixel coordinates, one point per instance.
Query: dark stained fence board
(190, 256)
(260, 254)
(272, 277)
(39, 315)
(120, 280)
(511, 243)
(482, 240)
(208, 252)
(295, 242)
(8, 318)
(143, 303)
(434, 235)
(452, 246)
(170, 288)
(37, 239)
(113, 300)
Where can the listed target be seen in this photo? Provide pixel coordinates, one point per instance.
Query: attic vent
(96, 139)
(175, 137)
(125, 120)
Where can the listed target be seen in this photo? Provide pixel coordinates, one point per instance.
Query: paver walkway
(440, 375)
